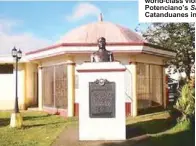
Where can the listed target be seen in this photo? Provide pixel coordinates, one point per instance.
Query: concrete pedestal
(102, 128)
(16, 120)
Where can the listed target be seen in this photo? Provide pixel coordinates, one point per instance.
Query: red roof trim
(101, 70)
(94, 44)
(87, 52)
(115, 51)
(84, 44)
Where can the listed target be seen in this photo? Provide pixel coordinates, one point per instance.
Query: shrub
(186, 102)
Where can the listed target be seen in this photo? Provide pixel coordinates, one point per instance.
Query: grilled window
(54, 86)
(149, 85)
(6, 69)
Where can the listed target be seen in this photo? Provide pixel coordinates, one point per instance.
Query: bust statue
(102, 55)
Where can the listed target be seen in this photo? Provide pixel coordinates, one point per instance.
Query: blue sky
(37, 24)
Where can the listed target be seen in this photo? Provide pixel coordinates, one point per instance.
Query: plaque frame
(103, 82)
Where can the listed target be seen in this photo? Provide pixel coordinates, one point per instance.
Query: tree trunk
(188, 73)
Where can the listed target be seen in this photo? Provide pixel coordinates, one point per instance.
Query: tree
(179, 37)
(186, 103)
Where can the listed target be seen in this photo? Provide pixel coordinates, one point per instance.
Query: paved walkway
(69, 137)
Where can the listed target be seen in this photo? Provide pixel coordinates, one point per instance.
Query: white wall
(79, 59)
(7, 89)
(54, 60)
(31, 83)
(150, 59)
(21, 84)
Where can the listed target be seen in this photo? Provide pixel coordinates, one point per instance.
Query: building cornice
(94, 44)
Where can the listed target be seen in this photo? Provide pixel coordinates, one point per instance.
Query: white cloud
(83, 10)
(25, 41)
(6, 25)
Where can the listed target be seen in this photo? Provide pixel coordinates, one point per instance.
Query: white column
(70, 87)
(40, 98)
(164, 89)
(134, 77)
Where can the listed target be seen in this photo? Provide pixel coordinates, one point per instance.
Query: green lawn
(163, 130)
(159, 129)
(40, 129)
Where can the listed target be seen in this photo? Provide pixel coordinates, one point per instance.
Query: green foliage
(179, 37)
(186, 103)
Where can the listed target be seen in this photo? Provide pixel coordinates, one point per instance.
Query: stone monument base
(102, 108)
(16, 120)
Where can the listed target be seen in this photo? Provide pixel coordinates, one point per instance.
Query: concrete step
(33, 109)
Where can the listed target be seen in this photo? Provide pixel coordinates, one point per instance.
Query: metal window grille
(61, 86)
(54, 86)
(149, 85)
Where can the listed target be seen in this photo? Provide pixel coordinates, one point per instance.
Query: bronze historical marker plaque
(102, 99)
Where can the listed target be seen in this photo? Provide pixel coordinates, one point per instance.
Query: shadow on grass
(149, 127)
(175, 139)
(6, 121)
(39, 125)
(139, 134)
(35, 117)
(151, 110)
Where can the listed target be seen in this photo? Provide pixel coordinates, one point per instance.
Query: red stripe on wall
(55, 111)
(76, 109)
(167, 90)
(128, 108)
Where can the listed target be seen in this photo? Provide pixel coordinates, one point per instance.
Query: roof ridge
(126, 37)
(136, 35)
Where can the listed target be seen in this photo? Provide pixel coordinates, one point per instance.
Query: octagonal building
(50, 79)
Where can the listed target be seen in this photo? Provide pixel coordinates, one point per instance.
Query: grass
(163, 130)
(40, 129)
(179, 135)
(158, 129)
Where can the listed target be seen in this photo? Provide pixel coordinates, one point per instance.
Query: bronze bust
(102, 55)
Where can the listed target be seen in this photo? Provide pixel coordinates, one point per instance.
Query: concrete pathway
(69, 137)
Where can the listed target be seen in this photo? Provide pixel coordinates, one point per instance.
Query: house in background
(48, 78)
(27, 83)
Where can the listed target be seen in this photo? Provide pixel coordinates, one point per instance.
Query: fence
(54, 86)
